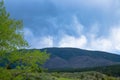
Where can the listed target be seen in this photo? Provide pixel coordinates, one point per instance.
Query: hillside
(113, 70)
(78, 58)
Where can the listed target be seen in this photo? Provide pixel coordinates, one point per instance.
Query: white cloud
(100, 44)
(110, 43)
(37, 42)
(115, 37)
(42, 42)
(70, 41)
(87, 40)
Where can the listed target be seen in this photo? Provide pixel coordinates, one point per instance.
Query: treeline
(113, 70)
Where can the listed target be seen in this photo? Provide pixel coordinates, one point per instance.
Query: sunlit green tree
(13, 44)
(11, 32)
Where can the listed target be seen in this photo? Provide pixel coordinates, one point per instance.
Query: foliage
(26, 60)
(84, 76)
(12, 45)
(11, 32)
(4, 74)
(12, 39)
(28, 63)
(112, 70)
(55, 76)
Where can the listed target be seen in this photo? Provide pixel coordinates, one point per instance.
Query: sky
(85, 24)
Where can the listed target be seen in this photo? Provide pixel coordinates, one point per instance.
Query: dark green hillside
(79, 58)
(67, 53)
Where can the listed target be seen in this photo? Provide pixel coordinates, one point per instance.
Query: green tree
(11, 32)
(13, 44)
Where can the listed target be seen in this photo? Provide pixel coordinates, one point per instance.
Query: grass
(64, 79)
(20, 75)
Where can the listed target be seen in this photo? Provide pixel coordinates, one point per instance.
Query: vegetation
(11, 41)
(68, 53)
(16, 63)
(11, 75)
(113, 70)
(84, 76)
(71, 58)
(11, 32)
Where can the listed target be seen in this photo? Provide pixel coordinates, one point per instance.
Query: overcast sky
(86, 24)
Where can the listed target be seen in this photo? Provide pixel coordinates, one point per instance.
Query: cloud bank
(86, 24)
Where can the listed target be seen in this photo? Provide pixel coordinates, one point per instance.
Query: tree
(11, 32)
(13, 44)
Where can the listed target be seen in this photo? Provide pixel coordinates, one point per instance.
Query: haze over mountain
(78, 58)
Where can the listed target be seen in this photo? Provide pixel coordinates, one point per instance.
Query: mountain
(78, 58)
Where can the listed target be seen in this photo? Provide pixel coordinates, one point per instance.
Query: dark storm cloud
(49, 18)
(74, 18)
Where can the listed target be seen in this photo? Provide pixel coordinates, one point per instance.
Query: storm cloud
(86, 24)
